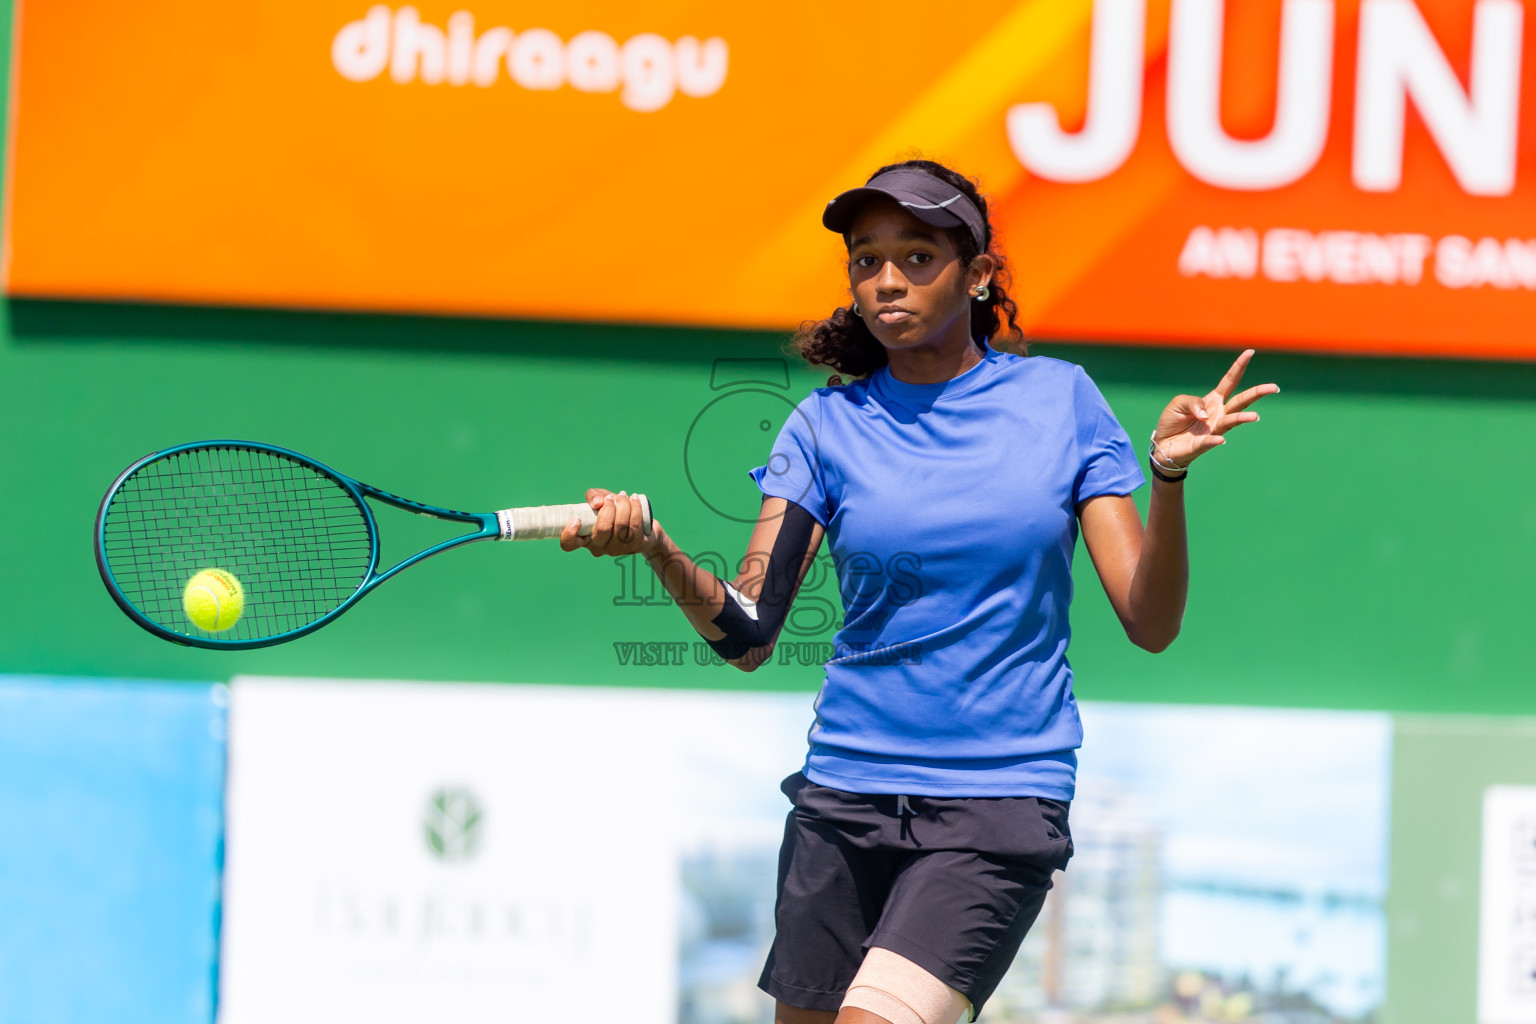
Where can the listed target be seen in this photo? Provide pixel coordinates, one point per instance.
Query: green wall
(1367, 545)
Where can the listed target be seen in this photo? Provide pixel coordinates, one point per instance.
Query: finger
(602, 531)
(636, 520)
(1227, 422)
(1235, 375)
(621, 505)
(1199, 446)
(570, 539)
(1188, 406)
(595, 496)
(1252, 395)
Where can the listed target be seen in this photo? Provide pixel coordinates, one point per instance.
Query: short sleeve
(1108, 463)
(794, 471)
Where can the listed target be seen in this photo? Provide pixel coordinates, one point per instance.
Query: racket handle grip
(545, 522)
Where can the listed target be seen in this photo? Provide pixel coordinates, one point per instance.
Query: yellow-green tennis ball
(213, 600)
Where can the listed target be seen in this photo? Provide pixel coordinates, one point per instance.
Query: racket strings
(295, 538)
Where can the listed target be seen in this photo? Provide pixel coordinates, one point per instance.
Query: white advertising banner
(408, 852)
(1506, 956)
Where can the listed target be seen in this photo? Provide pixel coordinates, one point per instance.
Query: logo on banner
(452, 824)
(646, 70)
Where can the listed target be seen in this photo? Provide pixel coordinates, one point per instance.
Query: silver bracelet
(1167, 464)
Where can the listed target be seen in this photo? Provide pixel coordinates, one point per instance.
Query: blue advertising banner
(111, 825)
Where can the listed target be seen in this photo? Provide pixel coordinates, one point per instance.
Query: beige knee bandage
(895, 988)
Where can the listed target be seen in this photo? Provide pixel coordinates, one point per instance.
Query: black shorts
(953, 885)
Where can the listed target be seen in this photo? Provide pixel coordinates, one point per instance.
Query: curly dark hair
(844, 343)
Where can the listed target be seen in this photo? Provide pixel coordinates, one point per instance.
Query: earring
(983, 293)
(855, 308)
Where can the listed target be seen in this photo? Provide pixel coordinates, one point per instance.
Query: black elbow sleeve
(742, 631)
(748, 624)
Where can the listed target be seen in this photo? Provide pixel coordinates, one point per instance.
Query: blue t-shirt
(950, 512)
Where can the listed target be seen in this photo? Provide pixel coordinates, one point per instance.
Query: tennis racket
(298, 535)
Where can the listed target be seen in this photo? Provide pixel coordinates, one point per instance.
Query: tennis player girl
(932, 807)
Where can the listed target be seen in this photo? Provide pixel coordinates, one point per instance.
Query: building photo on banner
(840, 332)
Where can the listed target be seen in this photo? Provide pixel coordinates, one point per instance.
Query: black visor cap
(931, 200)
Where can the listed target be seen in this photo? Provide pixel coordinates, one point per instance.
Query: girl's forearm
(1160, 585)
(697, 591)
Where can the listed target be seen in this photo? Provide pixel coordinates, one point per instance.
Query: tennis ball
(213, 600)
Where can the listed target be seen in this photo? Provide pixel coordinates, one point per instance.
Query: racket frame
(489, 528)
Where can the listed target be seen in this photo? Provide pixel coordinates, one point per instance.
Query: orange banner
(1351, 175)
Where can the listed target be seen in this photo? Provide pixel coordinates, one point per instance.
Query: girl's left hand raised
(1192, 426)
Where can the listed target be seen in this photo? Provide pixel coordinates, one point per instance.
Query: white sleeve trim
(747, 604)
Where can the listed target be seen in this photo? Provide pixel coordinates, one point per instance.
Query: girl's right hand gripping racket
(298, 536)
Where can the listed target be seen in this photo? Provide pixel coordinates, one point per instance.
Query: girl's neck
(936, 362)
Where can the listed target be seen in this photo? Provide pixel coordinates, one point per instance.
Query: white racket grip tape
(546, 522)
